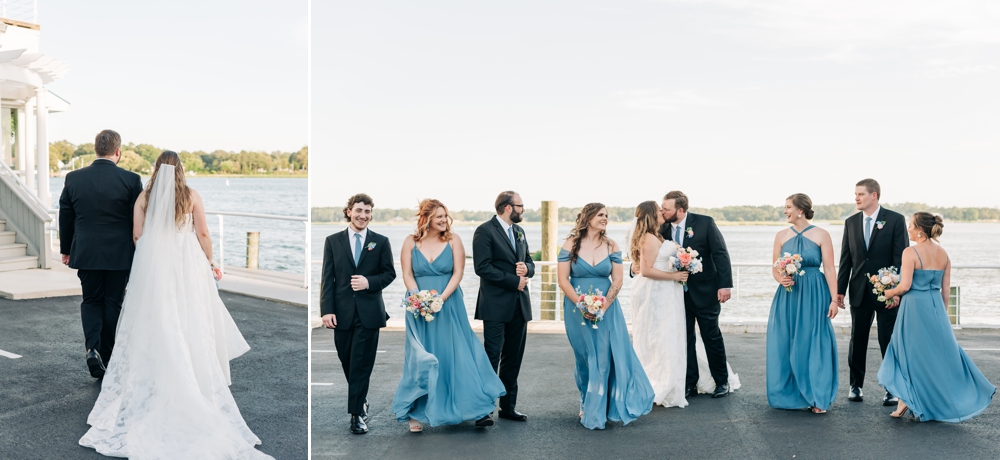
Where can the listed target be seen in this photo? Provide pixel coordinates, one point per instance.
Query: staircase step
(18, 263)
(6, 237)
(2, 223)
(13, 250)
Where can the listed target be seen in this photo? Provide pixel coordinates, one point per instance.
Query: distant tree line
(140, 158)
(830, 212)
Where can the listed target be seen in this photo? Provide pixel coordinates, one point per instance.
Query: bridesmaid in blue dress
(801, 345)
(924, 366)
(612, 383)
(447, 377)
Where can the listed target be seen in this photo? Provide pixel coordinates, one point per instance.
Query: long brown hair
(182, 194)
(579, 231)
(645, 222)
(425, 213)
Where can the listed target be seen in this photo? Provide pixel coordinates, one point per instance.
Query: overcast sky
(735, 102)
(183, 74)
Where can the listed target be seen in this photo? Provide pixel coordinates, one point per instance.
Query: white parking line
(323, 384)
(8, 354)
(324, 351)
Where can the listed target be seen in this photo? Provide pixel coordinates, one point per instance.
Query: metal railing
(20, 10)
(222, 239)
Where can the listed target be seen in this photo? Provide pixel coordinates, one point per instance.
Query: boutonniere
(371, 245)
(879, 224)
(690, 232)
(520, 236)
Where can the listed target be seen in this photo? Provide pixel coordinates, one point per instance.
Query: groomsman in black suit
(357, 266)
(873, 238)
(705, 292)
(95, 228)
(503, 263)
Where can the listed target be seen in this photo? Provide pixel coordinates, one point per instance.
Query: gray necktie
(357, 248)
(510, 234)
(677, 234)
(868, 230)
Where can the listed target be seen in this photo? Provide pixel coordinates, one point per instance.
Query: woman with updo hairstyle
(801, 345)
(447, 377)
(609, 376)
(924, 365)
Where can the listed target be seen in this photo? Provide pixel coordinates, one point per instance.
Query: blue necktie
(868, 230)
(510, 234)
(677, 234)
(357, 248)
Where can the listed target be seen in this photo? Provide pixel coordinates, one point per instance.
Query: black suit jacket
(885, 248)
(336, 295)
(95, 216)
(494, 260)
(717, 270)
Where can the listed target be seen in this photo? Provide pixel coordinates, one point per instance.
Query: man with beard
(503, 263)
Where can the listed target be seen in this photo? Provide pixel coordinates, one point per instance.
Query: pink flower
(684, 257)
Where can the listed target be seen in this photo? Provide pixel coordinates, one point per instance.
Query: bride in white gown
(166, 391)
(659, 333)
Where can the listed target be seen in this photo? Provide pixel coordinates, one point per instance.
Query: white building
(26, 214)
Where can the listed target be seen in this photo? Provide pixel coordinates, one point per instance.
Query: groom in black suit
(503, 263)
(706, 291)
(357, 266)
(873, 238)
(95, 228)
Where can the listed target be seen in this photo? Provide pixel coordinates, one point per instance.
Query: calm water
(282, 243)
(967, 244)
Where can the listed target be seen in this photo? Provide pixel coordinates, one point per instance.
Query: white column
(20, 140)
(29, 131)
(42, 146)
(8, 149)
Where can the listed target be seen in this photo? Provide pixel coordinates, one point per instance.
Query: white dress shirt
(506, 227)
(350, 239)
(871, 226)
(673, 230)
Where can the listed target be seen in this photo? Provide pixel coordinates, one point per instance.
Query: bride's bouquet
(789, 265)
(590, 305)
(687, 260)
(423, 303)
(887, 278)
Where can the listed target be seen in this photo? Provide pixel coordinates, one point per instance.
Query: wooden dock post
(253, 249)
(550, 250)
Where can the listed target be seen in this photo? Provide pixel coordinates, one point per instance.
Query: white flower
(790, 269)
(429, 318)
(801, 273)
(694, 253)
(886, 280)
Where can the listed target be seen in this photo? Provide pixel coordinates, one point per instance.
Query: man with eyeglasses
(503, 263)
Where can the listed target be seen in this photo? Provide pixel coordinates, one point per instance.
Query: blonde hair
(645, 222)
(425, 213)
(182, 194)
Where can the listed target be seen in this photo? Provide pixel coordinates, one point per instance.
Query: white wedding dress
(165, 394)
(659, 336)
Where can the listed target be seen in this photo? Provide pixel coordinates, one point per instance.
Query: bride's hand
(216, 273)
(682, 276)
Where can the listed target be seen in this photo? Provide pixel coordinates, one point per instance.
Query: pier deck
(47, 393)
(739, 426)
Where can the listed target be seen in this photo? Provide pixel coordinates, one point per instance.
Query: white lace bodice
(662, 262)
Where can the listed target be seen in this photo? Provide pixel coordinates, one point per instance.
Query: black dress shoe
(512, 415)
(889, 399)
(95, 365)
(690, 392)
(358, 425)
(485, 421)
(364, 411)
(720, 391)
(855, 395)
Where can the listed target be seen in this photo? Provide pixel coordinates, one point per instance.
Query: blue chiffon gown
(924, 366)
(801, 345)
(612, 383)
(447, 377)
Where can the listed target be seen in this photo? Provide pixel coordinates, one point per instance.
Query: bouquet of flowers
(686, 260)
(590, 305)
(789, 265)
(423, 303)
(887, 278)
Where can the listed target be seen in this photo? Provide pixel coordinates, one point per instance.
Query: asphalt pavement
(46, 395)
(739, 426)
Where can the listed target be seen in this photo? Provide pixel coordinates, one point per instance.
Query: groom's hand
(522, 284)
(724, 295)
(520, 269)
(359, 283)
(330, 320)
(65, 259)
